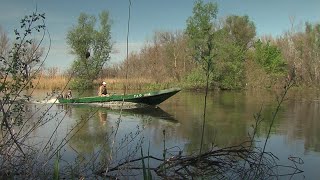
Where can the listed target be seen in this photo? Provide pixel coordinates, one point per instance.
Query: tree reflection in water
(90, 139)
(94, 135)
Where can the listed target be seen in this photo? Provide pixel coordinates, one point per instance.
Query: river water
(177, 123)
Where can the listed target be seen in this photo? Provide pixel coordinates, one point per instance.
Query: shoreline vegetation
(240, 62)
(60, 82)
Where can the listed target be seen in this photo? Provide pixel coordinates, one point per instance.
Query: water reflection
(225, 119)
(303, 123)
(155, 112)
(96, 125)
(66, 108)
(103, 115)
(229, 118)
(89, 133)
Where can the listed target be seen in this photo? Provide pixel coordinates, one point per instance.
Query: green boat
(149, 98)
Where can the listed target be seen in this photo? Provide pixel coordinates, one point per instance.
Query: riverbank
(258, 83)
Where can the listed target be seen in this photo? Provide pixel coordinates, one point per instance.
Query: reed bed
(45, 82)
(132, 84)
(60, 82)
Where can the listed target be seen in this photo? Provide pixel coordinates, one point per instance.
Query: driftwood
(233, 162)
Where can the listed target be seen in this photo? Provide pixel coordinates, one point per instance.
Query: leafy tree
(200, 29)
(229, 68)
(227, 45)
(240, 29)
(91, 46)
(232, 42)
(269, 57)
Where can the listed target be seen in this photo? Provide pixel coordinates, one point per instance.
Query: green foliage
(231, 46)
(220, 52)
(204, 49)
(81, 83)
(200, 29)
(269, 57)
(196, 78)
(229, 69)
(240, 29)
(91, 46)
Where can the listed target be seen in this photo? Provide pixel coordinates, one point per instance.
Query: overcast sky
(271, 17)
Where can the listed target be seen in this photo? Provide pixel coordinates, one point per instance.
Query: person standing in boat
(103, 90)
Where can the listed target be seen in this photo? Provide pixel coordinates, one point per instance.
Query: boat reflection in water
(96, 131)
(125, 108)
(155, 112)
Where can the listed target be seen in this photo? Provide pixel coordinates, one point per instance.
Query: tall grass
(44, 82)
(59, 82)
(134, 84)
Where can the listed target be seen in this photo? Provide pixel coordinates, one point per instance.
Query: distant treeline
(242, 60)
(238, 58)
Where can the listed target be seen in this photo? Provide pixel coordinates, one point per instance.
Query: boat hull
(149, 98)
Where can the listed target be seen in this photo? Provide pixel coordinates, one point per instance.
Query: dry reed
(133, 84)
(44, 82)
(60, 81)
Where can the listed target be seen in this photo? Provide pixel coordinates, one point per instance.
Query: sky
(270, 17)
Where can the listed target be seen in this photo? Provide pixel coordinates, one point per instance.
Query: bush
(196, 79)
(270, 58)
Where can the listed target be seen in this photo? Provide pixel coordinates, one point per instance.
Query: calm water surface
(296, 131)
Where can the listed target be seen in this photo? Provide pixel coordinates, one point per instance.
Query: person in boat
(103, 90)
(69, 94)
